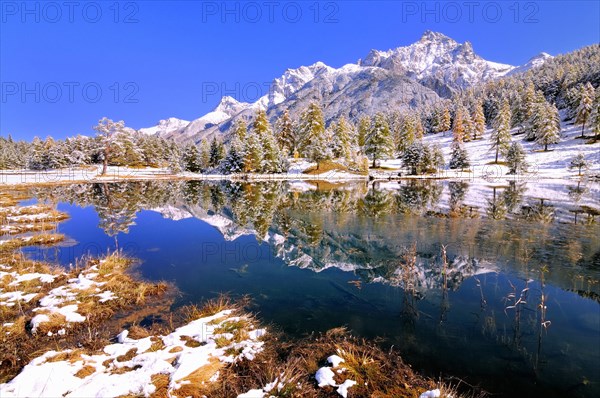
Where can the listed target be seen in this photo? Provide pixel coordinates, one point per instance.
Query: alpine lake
(495, 285)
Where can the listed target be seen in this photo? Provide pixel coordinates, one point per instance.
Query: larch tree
(500, 136)
(240, 130)
(343, 137)
(379, 143)
(547, 125)
(595, 117)
(446, 120)
(313, 140)
(253, 154)
(458, 128)
(515, 157)
(204, 154)
(191, 159)
(285, 135)
(586, 102)
(579, 162)
(107, 131)
(364, 126)
(478, 118)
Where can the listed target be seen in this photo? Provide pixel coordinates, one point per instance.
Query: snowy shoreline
(484, 173)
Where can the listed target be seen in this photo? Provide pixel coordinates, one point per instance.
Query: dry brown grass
(324, 167)
(197, 379)
(43, 239)
(161, 382)
(129, 355)
(85, 371)
(68, 355)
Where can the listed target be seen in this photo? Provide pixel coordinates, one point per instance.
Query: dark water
(341, 255)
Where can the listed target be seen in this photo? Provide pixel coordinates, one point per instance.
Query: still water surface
(516, 309)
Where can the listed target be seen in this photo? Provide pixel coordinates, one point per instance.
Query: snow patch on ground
(108, 375)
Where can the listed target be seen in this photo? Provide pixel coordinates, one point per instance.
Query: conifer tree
(500, 136)
(313, 144)
(437, 157)
(595, 116)
(216, 153)
(579, 163)
(408, 133)
(36, 155)
(234, 162)
(378, 143)
(515, 157)
(342, 139)
(459, 158)
(478, 118)
(204, 155)
(107, 131)
(239, 130)
(416, 158)
(446, 120)
(271, 161)
(586, 101)
(364, 127)
(191, 159)
(458, 128)
(537, 112)
(252, 153)
(547, 125)
(419, 130)
(285, 133)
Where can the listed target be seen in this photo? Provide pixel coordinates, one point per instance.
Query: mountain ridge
(427, 71)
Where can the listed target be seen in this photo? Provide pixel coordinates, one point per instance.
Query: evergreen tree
(252, 153)
(459, 158)
(204, 155)
(579, 163)
(595, 116)
(342, 139)
(36, 155)
(54, 154)
(216, 153)
(547, 125)
(107, 132)
(378, 143)
(500, 136)
(478, 121)
(234, 162)
(458, 128)
(286, 138)
(586, 101)
(446, 120)
(515, 157)
(271, 161)
(528, 104)
(239, 130)
(313, 144)
(191, 159)
(364, 127)
(419, 130)
(420, 158)
(408, 133)
(533, 122)
(469, 126)
(437, 157)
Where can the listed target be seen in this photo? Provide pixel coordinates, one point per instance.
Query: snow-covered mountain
(534, 62)
(406, 77)
(166, 127)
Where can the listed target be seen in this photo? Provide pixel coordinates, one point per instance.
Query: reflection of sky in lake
(465, 332)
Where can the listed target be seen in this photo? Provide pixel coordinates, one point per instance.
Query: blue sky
(63, 67)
